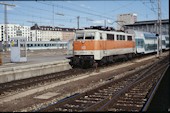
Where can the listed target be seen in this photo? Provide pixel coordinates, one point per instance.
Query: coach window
(129, 37)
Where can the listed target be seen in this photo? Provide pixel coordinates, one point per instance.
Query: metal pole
(6, 31)
(5, 24)
(160, 25)
(159, 31)
(157, 39)
(53, 15)
(36, 34)
(78, 17)
(104, 23)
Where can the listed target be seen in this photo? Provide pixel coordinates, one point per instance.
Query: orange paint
(102, 45)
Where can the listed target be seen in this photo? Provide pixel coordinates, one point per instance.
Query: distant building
(48, 33)
(124, 19)
(14, 30)
(36, 33)
(149, 26)
(68, 34)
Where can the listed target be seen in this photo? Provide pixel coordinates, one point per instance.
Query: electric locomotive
(101, 46)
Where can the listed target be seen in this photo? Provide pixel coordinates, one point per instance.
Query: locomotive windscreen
(79, 36)
(89, 36)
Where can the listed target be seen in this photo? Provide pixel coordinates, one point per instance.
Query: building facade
(68, 34)
(36, 33)
(124, 19)
(48, 33)
(149, 26)
(14, 30)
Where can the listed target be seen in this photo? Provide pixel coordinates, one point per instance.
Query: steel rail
(147, 104)
(125, 89)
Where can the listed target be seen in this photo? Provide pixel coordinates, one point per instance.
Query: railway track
(21, 85)
(129, 93)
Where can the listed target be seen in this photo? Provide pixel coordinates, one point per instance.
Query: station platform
(35, 66)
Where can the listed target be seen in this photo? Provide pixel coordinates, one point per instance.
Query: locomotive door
(104, 44)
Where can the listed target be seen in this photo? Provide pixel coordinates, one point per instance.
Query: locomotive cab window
(89, 36)
(79, 36)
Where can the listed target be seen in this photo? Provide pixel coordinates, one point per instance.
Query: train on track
(40, 45)
(97, 45)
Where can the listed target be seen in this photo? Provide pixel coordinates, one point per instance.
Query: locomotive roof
(96, 30)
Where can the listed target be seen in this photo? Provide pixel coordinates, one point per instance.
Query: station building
(149, 26)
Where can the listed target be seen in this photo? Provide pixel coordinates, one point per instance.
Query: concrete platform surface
(35, 66)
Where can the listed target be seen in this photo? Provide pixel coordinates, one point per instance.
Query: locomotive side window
(123, 37)
(100, 35)
(120, 37)
(110, 36)
(129, 37)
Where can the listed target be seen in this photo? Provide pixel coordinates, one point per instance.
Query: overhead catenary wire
(41, 17)
(83, 10)
(76, 10)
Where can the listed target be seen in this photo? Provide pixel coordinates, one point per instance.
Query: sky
(64, 13)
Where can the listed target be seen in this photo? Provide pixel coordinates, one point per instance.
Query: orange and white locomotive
(101, 46)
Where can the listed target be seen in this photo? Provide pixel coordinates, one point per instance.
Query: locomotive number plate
(83, 47)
